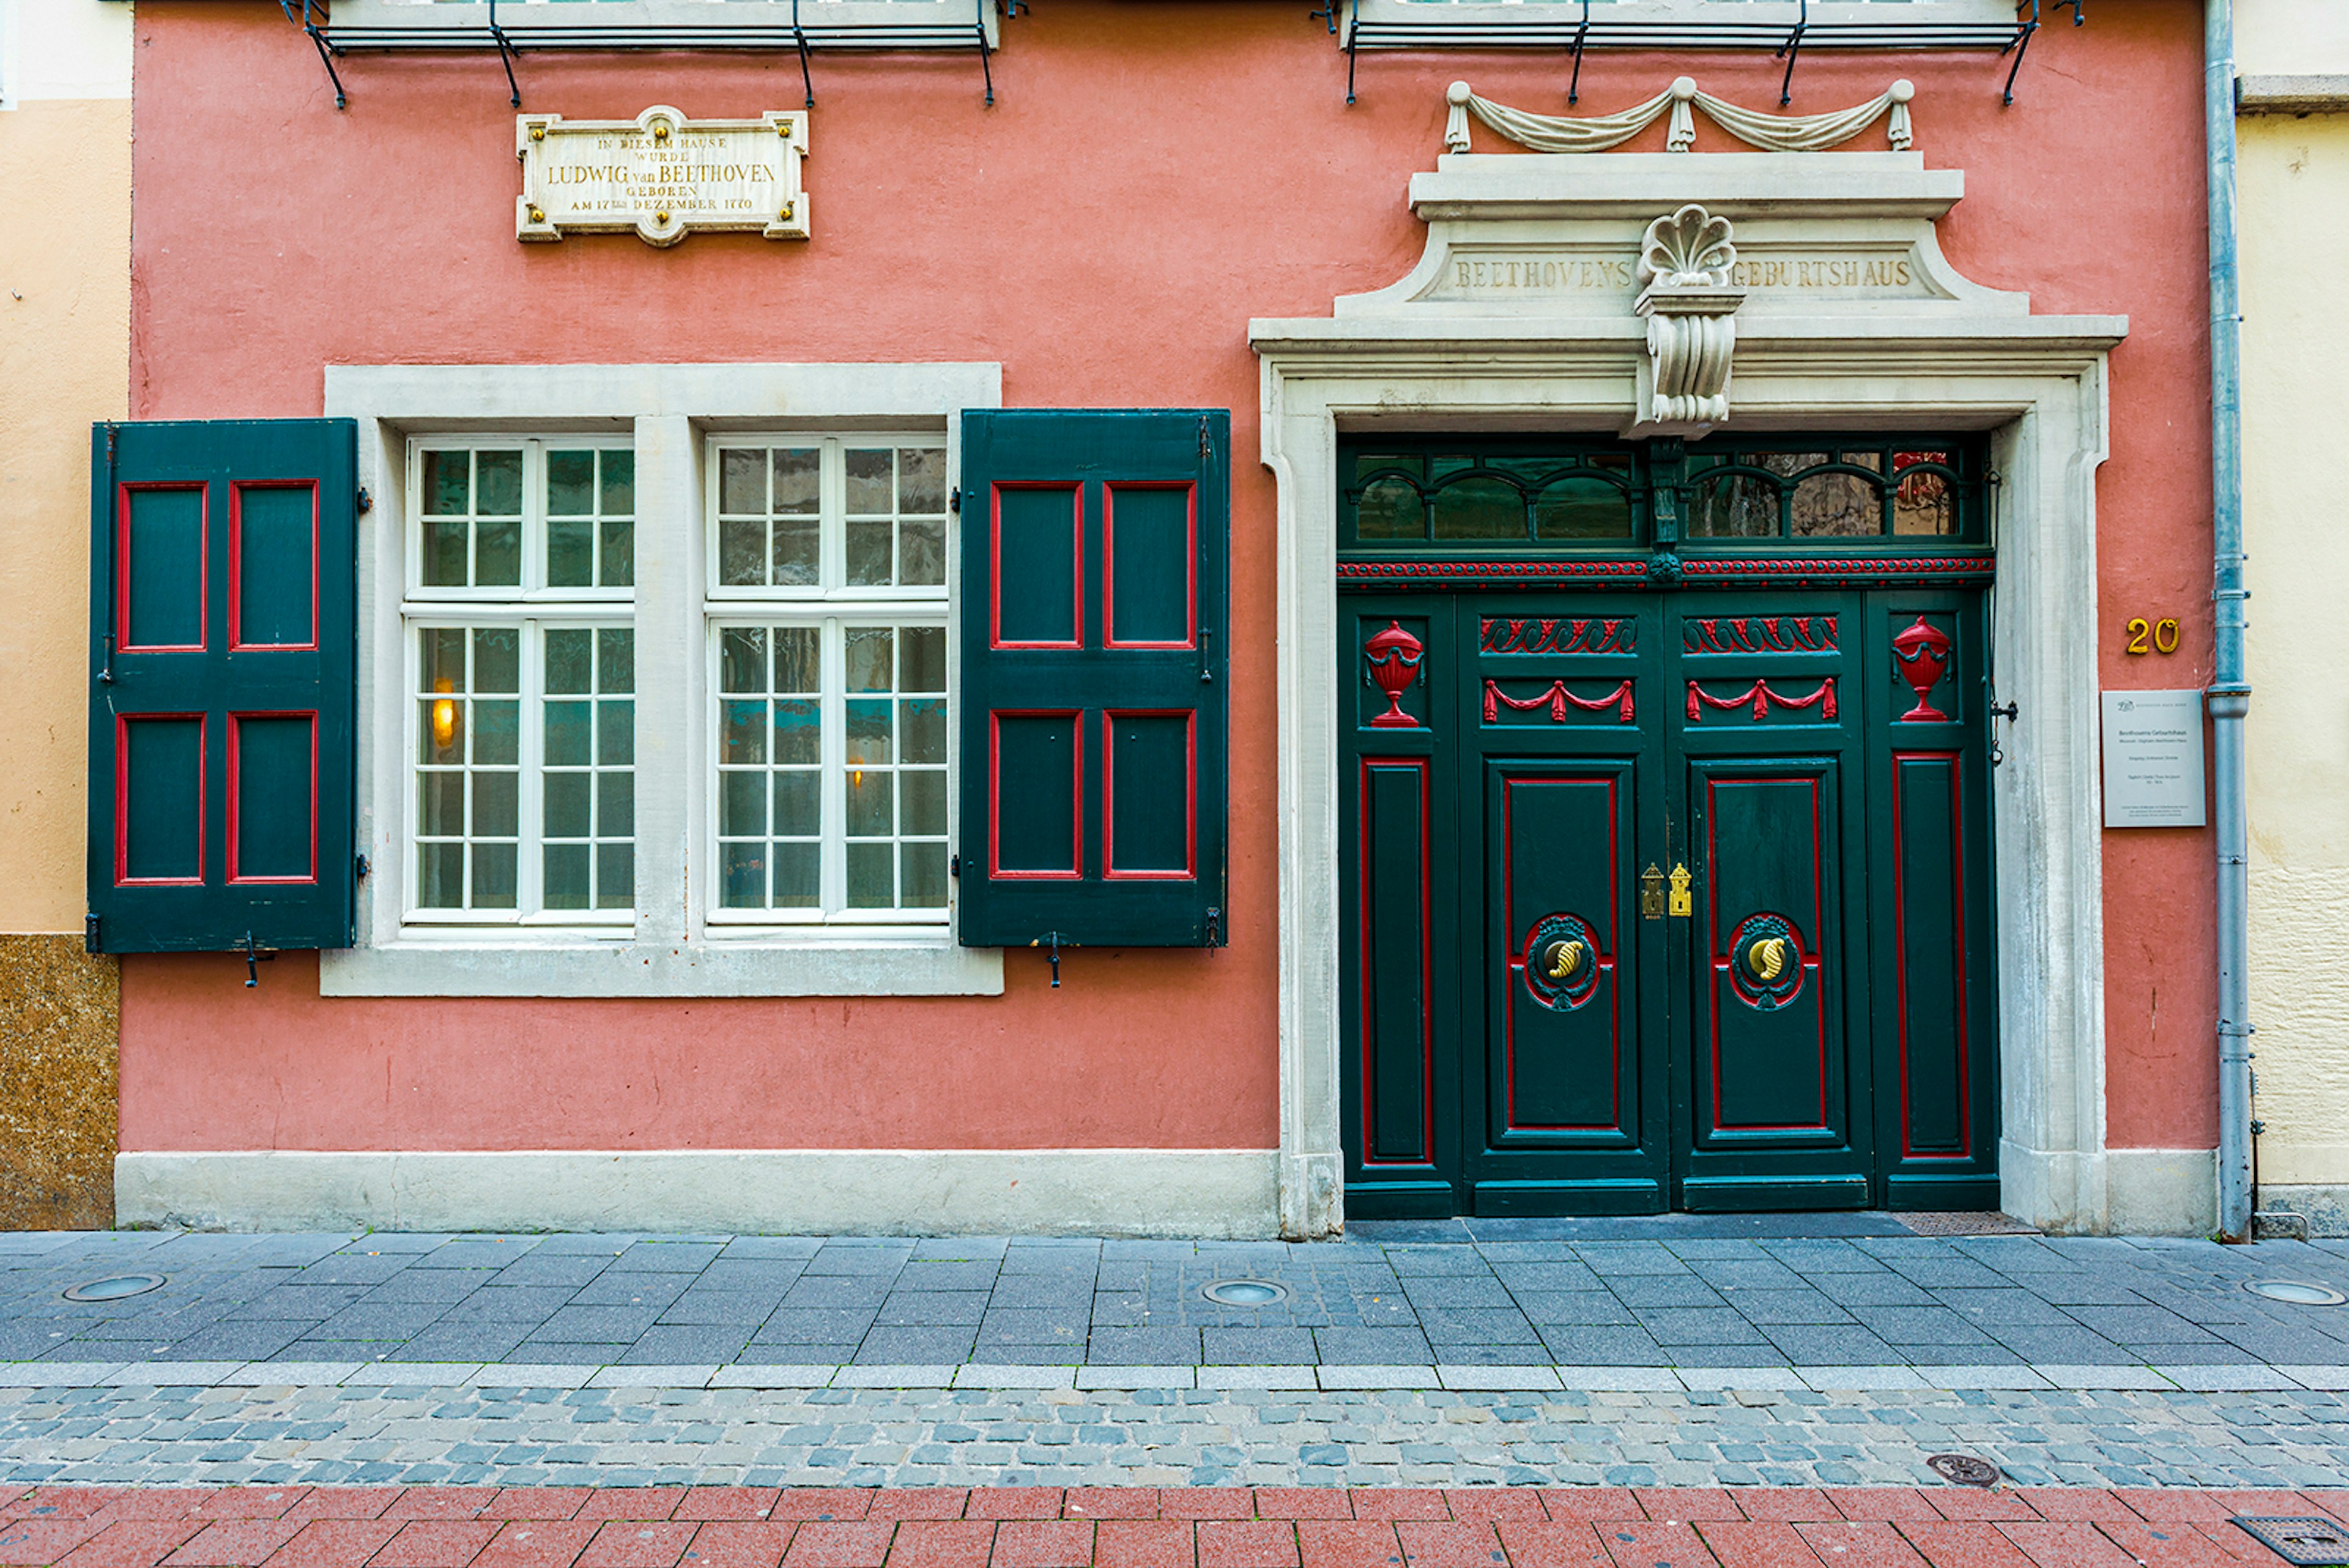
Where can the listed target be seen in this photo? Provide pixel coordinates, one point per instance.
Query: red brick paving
(1138, 1527)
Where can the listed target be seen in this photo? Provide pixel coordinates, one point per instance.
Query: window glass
(830, 732)
(523, 782)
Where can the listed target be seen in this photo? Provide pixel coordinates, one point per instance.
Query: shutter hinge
(361, 867)
(365, 502)
(1207, 438)
(953, 865)
(954, 502)
(1215, 928)
(89, 929)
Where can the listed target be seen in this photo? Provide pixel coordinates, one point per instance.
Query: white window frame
(673, 415)
(832, 604)
(533, 609)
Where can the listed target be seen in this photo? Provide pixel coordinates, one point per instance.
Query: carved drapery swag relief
(1597, 133)
(1684, 269)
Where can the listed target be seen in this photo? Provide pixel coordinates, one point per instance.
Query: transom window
(828, 659)
(1837, 492)
(522, 655)
(1559, 494)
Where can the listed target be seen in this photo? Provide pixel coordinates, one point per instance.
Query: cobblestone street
(413, 1433)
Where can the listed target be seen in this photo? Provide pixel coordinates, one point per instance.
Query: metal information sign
(2153, 759)
(661, 175)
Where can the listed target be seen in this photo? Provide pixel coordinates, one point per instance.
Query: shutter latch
(89, 934)
(1215, 928)
(253, 956)
(1051, 942)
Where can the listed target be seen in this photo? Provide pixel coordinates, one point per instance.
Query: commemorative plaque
(2153, 759)
(660, 175)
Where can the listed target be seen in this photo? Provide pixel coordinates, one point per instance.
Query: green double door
(1666, 900)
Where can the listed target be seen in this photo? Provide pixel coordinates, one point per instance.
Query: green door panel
(1520, 1038)
(1933, 983)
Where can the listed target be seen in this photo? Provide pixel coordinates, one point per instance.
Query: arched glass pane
(1786, 464)
(1924, 501)
(1479, 509)
(1582, 508)
(1735, 506)
(1391, 509)
(1836, 506)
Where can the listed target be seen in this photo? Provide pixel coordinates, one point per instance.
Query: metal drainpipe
(2229, 694)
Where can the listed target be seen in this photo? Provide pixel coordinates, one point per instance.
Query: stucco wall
(2295, 194)
(1151, 177)
(64, 323)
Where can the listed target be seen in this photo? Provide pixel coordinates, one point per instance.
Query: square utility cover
(2312, 1540)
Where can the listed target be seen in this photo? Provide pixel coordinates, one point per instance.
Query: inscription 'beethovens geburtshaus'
(661, 175)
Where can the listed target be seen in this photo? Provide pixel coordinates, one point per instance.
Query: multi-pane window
(523, 655)
(831, 514)
(828, 650)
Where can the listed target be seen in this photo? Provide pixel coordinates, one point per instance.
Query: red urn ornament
(1923, 652)
(1394, 657)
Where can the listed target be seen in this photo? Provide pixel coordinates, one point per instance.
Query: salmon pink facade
(1155, 212)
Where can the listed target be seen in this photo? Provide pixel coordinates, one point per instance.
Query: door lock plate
(1683, 905)
(1651, 893)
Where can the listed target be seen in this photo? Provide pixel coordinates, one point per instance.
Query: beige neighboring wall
(2293, 204)
(64, 348)
(64, 344)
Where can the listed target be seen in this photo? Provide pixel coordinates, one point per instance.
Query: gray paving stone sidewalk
(417, 1434)
(1651, 1293)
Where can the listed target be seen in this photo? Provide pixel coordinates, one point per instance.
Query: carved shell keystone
(1689, 249)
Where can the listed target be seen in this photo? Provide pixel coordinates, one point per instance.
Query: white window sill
(865, 963)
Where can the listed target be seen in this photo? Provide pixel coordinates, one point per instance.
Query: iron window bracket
(797, 36)
(1577, 34)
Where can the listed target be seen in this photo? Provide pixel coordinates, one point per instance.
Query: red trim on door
(1427, 955)
(122, 878)
(1190, 561)
(1190, 871)
(1076, 493)
(123, 574)
(236, 566)
(233, 793)
(994, 870)
(1512, 967)
(1965, 1149)
(1812, 959)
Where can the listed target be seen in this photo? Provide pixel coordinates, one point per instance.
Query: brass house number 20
(2152, 636)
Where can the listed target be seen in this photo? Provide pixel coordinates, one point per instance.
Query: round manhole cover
(115, 1287)
(1963, 1470)
(1245, 1292)
(2299, 1292)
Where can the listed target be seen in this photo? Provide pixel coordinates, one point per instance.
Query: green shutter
(222, 685)
(1095, 612)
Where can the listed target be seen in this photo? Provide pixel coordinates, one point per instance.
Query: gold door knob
(1766, 958)
(1562, 961)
